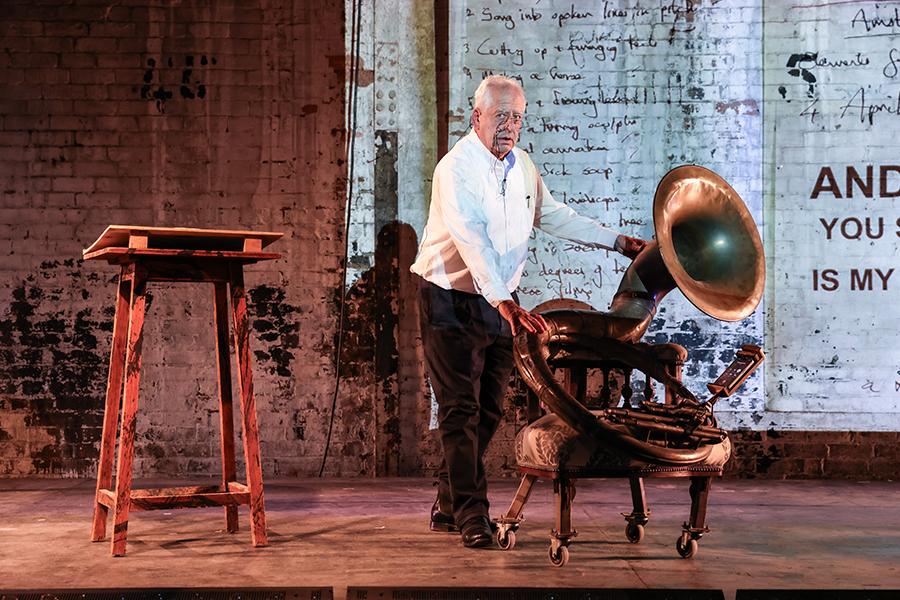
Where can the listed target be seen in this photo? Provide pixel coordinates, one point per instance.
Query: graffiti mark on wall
(157, 77)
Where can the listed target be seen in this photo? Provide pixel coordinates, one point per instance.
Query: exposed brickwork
(231, 114)
(223, 114)
(782, 454)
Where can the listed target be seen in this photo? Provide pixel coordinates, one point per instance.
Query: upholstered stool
(549, 448)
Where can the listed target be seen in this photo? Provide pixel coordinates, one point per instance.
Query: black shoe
(441, 521)
(476, 533)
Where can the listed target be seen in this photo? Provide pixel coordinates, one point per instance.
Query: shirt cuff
(494, 298)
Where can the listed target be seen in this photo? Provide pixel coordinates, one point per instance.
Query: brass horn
(709, 243)
(708, 246)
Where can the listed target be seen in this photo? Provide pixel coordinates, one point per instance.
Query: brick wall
(617, 96)
(855, 455)
(832, 99)
(224, 114)
(231, 115)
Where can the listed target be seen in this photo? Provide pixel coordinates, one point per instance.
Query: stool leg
(514, 512)
(564, 491)
(640, 513)
(129, 413)
(226, 411)
(111, 411)
(248, 408)
(699, 491)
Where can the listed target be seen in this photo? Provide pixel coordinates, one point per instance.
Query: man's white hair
(483, 94)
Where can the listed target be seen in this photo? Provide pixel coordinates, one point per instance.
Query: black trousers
(468, 355)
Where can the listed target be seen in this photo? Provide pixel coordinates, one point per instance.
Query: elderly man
(486, 197)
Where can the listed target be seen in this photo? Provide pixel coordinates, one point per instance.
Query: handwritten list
(800, 113)
(618, 93)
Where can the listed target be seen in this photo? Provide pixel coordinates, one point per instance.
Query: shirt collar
(509, 161)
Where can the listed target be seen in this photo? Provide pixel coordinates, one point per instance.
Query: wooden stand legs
(123, 387)
(124, 370)
(226, 407)
(114, 386)
(248, 408)
(133, 351)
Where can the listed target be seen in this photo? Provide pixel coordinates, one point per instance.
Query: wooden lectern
(178, 254)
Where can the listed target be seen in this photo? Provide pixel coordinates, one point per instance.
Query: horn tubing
(532, 364)
(702, 196)
(612, 347)
(663, 423)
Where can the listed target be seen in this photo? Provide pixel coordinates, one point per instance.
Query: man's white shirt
(480, 220)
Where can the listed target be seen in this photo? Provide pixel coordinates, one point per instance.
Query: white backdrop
(617, 97)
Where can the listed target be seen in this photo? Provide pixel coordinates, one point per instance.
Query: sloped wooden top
(136, 237)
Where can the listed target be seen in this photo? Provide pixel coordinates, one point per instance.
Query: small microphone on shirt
(503, 186)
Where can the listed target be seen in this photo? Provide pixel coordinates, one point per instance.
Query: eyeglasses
(504, 117)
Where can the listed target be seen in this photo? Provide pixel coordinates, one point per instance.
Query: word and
(827, 182)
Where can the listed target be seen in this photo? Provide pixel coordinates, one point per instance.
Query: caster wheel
(634, 533)
(506, 540)
(560, 557)
(686, 546)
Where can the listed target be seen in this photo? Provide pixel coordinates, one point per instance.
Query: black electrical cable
(349, 158)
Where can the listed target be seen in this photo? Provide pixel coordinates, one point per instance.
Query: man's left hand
(629, 246)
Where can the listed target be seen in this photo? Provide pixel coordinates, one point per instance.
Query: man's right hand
(628, 246)
(520, 318)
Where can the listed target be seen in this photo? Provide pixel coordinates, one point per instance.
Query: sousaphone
(707, 245)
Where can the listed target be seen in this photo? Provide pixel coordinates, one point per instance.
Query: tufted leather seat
(551, 446)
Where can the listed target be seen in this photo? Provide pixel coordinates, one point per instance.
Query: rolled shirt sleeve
(561, 221)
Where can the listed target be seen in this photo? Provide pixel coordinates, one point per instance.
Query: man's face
(499, 121)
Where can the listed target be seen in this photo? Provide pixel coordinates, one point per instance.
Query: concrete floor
(340, 533)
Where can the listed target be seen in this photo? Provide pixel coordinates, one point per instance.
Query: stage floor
(359, 532)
